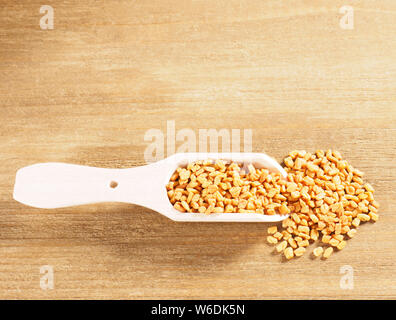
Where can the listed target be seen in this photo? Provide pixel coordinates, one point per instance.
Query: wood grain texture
(87, 91)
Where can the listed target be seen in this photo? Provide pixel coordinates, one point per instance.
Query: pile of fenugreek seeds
(324, 195)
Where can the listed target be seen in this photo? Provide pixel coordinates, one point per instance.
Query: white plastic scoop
(56, 185)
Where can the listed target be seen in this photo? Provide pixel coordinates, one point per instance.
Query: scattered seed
(351, 233)
(327, 253)
(341, 245)
(318, 251)
(272, 240)
(281, 246)
(288, 252)
(299, 251)
(272, 230)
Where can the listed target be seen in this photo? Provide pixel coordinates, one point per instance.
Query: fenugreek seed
(311, 167)
(242, 203)
(337, 155)
(341, 165)
(218, 210)
(272, 230)
(320, 153)
(303, 229)
(296, 218)
(308, 181)
(178, 206)
(272, 193)
(299, 251)
(314, 218)
(350, 190)
(270, 211)
(291, 187)
(195, 198)
(184, 174)
(235, 191)
(326, 238)
(281, 246)
(358, 180)
(317, 252)
(346, 228)
(195, 205)
(289, 162)
(374, 217)
(293, 154)
(298, 163)
(292, 243)
(358, 172)
(356, 222)
(362, 196)
(278, 235)
(305, 196)
(288, 252)
(286, 235)
(327, 253)
(375, 204)
(351, 233)
(301, 153)
(220, 164)
(295, 194)
(185, 205)
(305, 236)
(303, 243)
(205, 184)
(314, 234)
(210, 209)
(363, 217)
(250, 206)
(251, 169)
(272, 240)
(339, 237)
(324, 208)
(333, 242)
(341, 245)
(284, 209)
(321, 225)
(201, 209)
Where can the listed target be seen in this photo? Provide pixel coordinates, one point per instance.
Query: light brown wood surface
(88, 90)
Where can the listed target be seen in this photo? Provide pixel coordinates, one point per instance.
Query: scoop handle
(56, 185)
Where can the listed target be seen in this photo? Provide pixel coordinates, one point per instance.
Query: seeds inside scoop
(325, 196)
(217, 187)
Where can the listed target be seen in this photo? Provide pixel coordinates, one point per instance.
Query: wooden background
(87, 91)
